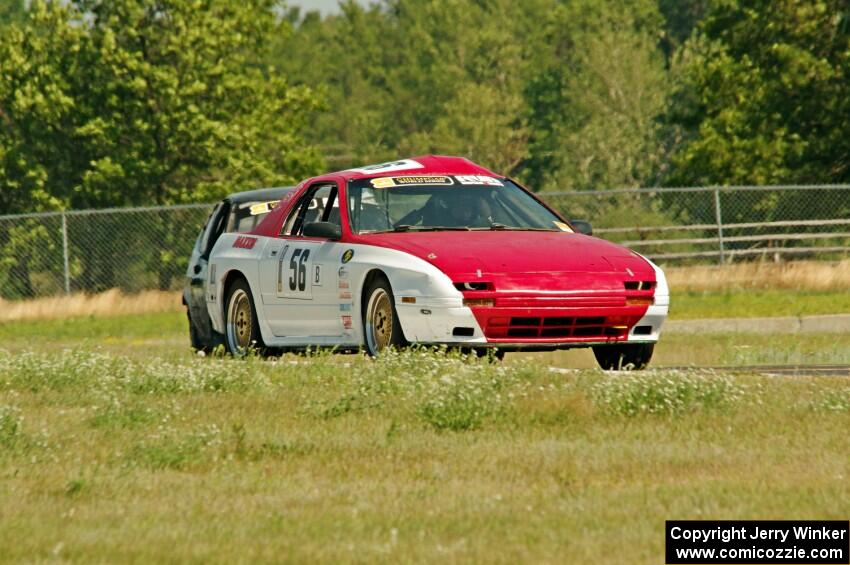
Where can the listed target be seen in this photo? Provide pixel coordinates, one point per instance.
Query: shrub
(447, 390)
(833, 401)
(664, 393)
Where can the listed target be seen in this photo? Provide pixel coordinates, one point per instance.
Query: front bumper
(447, 321)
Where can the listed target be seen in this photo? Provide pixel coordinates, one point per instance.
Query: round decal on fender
(346, 257)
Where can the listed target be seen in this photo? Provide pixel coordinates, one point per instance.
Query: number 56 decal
(298, 268)
(297, 284)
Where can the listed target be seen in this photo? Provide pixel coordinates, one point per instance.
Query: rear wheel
(380, 321)
(194, 339)
(199, 342)
(624, 356)
(242, 329)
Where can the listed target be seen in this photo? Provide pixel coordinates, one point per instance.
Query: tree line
(137, 102)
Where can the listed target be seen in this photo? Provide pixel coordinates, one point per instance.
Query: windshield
(434, 203)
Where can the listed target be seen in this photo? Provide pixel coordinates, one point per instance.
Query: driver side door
(299, 284)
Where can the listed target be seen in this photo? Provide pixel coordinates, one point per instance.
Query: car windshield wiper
(495, 226)
(408, 228)
(431, 228)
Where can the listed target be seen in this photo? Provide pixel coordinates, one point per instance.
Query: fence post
(65, 253)
(719, 217)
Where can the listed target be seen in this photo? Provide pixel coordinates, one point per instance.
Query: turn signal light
(408, 300)
(479, 302)
(639, 301)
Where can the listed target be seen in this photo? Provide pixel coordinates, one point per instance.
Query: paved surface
(784, 370)
(767, 370)
(838, 323)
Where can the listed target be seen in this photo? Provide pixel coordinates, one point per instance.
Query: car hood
(517, 259)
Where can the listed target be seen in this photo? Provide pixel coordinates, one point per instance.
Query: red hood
(557, 260)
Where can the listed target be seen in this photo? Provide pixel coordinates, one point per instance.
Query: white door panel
(296, 297)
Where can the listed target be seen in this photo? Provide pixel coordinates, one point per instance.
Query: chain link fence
(95, 250)
(148, 248)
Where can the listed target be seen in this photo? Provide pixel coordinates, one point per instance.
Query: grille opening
(460, 331)
(522, 332)
(588, 331)
(643, 330)
(590, 321)
(557, 327)
(525, 321)
(639, 285)
(477, 285)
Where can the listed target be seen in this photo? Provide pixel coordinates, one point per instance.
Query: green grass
(757, 303)
(163, 325)
(165, 336)
(416, 457)
(722, 350)
(118, 444)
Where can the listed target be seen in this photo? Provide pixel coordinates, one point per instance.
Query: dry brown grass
(110, 303)
(797, 275)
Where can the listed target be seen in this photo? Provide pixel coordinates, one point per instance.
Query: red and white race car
(430, 250)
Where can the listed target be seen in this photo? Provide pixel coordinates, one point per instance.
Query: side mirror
(582, 226)
(326, 230)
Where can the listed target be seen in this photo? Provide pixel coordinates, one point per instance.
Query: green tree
(763, 95)
(138, 102)
(11, 11)
(681, 18)
(39, 161)
(415, 76)
(119, 102)
(596, 97)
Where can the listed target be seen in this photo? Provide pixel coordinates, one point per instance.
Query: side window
(246, 216)
(319, 204)
(204, 236)
(216, 227)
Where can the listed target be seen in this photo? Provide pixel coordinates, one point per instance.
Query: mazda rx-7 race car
(430, 250)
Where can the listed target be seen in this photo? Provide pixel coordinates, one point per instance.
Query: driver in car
(466, 207)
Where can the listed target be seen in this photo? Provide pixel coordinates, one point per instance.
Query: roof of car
(275, 193)
(423, 165)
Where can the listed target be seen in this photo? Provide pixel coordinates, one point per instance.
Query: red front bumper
(561, 319)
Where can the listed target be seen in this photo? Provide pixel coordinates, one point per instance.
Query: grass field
(416, 457)
(117, 444)
(165, 336)
(690, 305)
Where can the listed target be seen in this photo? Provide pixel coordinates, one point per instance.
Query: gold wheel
(240, 321)
(379, 321)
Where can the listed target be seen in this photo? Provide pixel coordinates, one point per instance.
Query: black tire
(194, 339)
(241, 327)
(490, 353)
(381, 328)
(624, 356)
(198, 342)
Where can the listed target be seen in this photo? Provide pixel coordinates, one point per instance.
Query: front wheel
(242, 330)
(380, 321)
(623, 356)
